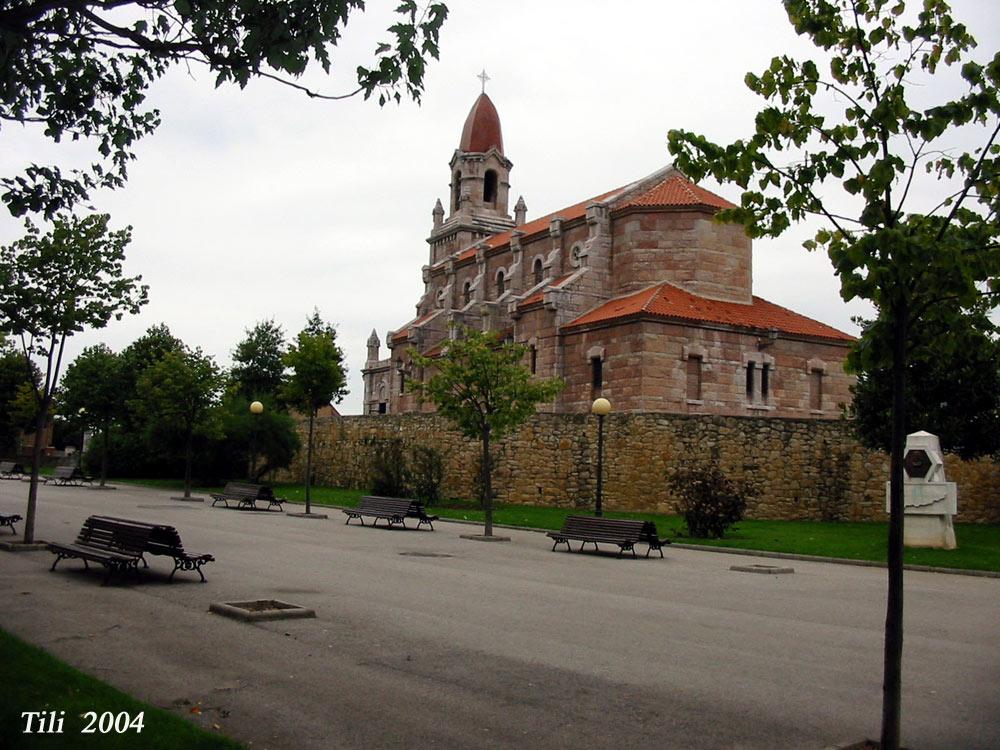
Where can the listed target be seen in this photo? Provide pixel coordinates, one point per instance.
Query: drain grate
(260, 609)
(425, 554)
(766, 569)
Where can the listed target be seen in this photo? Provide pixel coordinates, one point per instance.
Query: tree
(17, 380)
(149, 349)
(876, 155)
(953, 390)
(141, 354)
(258, 369)
(272, 433)
(176, 396)
(82, 69)
(318, 378)
(91, 393)
(52, 286)
(482, 386)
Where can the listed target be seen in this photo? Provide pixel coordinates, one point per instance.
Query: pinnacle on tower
(520, 211)
(438, 213)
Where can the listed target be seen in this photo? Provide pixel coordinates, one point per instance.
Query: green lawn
(978, 544)
(36, 681)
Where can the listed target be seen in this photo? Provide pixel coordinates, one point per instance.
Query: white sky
(263, 203)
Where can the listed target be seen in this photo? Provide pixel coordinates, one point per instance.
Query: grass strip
(36, 681)
(978, 544)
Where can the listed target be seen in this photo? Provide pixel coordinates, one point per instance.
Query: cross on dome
(484, 78)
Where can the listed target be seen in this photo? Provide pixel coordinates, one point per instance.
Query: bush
(710, 501)
(131, 457)
(389, 471)
(426, 473)
(227, 456)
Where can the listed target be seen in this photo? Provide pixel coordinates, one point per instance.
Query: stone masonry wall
(688, 249)
(806, 469)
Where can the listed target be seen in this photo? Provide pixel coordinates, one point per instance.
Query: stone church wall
(687, 248)
(806, 469)
(644, 370)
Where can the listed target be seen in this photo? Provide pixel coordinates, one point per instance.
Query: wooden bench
(68, 475)
(625, 533)
(10, 521)
(116, 546)
(165, 540)
(246, 495)
(11, 470)
(392, 509)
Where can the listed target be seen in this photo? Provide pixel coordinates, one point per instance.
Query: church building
(636, 295)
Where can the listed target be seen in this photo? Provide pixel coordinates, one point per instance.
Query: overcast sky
(262, 203)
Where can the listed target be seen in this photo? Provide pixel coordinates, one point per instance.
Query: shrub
(426, 473)
(710, 501)
(390, 477)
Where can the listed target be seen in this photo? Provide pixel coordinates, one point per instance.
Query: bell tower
(479, 187)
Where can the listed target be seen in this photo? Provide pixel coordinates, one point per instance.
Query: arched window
(490, 187)
(501, 283)
(467, 292)
(456, 191)
(538, 271)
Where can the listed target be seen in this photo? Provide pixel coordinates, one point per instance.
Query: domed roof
(482, 128)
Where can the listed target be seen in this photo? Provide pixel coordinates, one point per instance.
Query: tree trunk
(36, 460)
(893, 656)
(309, 461)
(188, 456)
(104, 451)
(487, 483)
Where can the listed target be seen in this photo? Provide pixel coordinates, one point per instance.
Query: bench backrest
(163, 539)
(395, 505)
(64, 472)
(246, 489)
(649, 531)
(241, 489)
(6, 466)
(612, 528)
(114, 535)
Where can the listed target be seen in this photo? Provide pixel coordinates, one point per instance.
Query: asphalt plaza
(425, 639)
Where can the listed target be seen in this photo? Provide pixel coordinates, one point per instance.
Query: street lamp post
(601, 407)
(256, 409)
(83, 436)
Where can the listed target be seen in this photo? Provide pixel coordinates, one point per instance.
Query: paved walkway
(428, 640)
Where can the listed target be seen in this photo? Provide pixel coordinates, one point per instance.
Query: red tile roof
(540, 294)
(481, 131)
(404, 333)
(538, 225)
(436, 350)
(677, 190)
(668, 301)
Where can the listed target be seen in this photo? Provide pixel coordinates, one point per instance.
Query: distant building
(636, 295)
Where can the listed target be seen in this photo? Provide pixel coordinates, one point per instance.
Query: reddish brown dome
(482, 128)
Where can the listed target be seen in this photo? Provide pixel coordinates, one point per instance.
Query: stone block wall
(645, 370)
(688, 249)
(805, 469)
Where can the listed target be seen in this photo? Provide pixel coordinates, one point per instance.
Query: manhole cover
(260, 609)
(771, 569)
(425, 554)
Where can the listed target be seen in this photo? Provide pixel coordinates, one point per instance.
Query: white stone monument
(929, 502)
